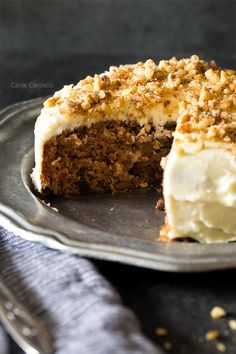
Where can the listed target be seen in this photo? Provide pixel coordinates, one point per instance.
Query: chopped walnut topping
(97, 83)
(149, 69)
(103, 106)
(204, 96)
(102, 94)
(212, 75)
(85, 105)
(50, 102)
(173, 81)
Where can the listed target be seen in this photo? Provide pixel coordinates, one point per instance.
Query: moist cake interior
(108, 156)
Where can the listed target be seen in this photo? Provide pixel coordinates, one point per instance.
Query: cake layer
(108, 156)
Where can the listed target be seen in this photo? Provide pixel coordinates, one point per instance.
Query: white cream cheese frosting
(200, 193)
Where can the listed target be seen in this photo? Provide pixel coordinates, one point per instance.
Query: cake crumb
(160, 204)
(212, 335)
(217, 312)
(232, 324)
(55, 209)
(161, 331)
(221, 347)
(167, 345)
(49, 205)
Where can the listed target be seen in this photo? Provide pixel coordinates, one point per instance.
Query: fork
(24, 329)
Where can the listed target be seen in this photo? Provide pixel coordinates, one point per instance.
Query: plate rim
(15, 223)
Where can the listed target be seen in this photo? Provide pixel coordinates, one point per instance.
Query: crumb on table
(217, 312)
(161, 331)
(212, 335)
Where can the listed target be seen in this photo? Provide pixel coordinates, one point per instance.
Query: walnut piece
(217, 312)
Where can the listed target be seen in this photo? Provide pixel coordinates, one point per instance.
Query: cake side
(200, 194)
(200, 171)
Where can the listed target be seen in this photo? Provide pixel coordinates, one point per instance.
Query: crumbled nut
(113, 68)
(160, 204)
(149, 69)
(105, 80)
(173, 81)
(102, 94)
(167, 345)
(205, 95)
(103, 106)
(156, 145)
(221, 347)
(85, 105)
(50, 102)
(143, 184)
(212, 75)
(217, 312)
(97, 83)
(223, 77)
(139, 74)
(232, 324)
(161, 331)
(212, 335)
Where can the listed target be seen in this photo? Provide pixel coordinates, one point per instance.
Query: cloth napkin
(80, 310)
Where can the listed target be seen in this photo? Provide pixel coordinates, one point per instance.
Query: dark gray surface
(59, 42)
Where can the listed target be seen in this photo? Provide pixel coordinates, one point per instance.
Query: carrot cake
(117, 130)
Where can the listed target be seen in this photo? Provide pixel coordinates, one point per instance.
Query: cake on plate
(117, 131)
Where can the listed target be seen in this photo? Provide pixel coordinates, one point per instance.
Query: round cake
(117, 131)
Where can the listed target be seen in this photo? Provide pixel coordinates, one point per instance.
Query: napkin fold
(80, 310)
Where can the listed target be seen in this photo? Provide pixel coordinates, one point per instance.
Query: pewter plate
(121, 227)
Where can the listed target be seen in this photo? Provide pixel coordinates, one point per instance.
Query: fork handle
(21, 325)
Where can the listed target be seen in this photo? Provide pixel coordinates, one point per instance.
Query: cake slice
(109, 133)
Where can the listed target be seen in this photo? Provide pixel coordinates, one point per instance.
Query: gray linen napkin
(78, 307)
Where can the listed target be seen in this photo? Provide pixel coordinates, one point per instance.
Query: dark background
(46, 44)
(58, 42)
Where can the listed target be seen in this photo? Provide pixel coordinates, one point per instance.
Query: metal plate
(120, 227)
